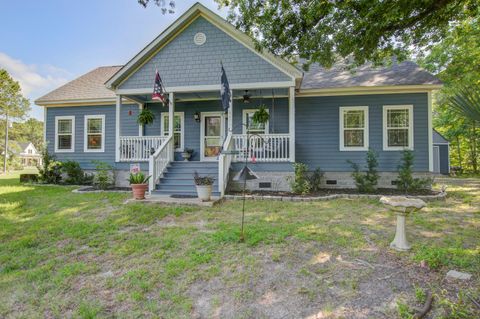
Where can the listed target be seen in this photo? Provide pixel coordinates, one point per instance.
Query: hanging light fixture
(246, 97)
(196, 117)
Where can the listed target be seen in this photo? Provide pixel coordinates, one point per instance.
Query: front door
(212, 128)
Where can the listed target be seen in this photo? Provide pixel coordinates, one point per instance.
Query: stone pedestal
(402, 207)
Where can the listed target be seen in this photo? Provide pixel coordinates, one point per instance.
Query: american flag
(159, 93)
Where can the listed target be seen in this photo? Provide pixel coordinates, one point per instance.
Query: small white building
(28, 154)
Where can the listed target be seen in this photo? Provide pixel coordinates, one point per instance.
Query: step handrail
(224, 162)
(159, 161)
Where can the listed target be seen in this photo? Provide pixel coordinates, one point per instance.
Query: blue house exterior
(322, 118)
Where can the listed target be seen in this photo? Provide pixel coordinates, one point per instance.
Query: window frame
(366, 128)
(85, 133)
(182, 131)
(244, 121)
(72, 148)
(386, 108)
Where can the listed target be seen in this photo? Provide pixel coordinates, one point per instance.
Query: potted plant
(261, 115)
(139, 183)
(186, 154)
(145, 117)
(204, 186)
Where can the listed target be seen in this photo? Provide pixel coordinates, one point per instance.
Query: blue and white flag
(225, 90)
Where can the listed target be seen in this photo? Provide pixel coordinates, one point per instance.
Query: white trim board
(365, 129)
(65, 117)
(85, 133)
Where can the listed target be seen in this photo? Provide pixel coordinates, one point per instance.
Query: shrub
(366, 182)
(51, 170)
(315, 179)
(104, 177)
(28, 178)
(75, 174)
(300, 183)
(145, 117)
(406, 182)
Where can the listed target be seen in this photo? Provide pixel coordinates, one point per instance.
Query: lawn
(90, 256)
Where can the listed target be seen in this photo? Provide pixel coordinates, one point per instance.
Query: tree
(30, 130)
(12, 106)
(363, 30)
(170, 8)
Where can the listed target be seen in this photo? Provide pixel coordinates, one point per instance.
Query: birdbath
(402, 207)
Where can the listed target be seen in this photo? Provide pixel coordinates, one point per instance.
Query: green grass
(90, 256)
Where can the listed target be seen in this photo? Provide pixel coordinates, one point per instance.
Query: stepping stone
(458, 275)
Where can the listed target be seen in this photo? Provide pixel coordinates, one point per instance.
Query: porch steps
(178, 178)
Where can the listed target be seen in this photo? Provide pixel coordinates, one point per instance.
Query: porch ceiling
(215, 95)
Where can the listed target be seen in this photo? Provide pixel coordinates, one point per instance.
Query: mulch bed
(110, 189)
(339, 191)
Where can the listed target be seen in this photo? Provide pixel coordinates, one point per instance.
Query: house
(321, 117)
(27, 153)
(441, 154)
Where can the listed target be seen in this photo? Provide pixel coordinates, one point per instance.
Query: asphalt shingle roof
(404, 73)
(91, 85)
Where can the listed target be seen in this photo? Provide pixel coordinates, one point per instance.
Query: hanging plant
(261, 116)
(145, 117)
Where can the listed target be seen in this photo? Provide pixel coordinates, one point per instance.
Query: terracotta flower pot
(139, 190)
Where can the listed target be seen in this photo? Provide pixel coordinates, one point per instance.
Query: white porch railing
(159, 161)
(224, 161)
(139, 148)
(264, 147)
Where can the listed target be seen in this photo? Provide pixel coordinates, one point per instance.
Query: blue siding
(183, 63)
(85, 159)
(317, 131)
(277, 108)
(154, 128)
(128, 117)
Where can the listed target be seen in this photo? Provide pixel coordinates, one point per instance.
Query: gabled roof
(89, 86)
(339, 76)
(438, 138)
(190, 15)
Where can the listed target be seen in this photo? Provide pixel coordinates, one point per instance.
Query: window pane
(94, 141)
(354, 119)
(398, 137)
(178, 123)
(64, 142)
(397, 118)
(353, 138)
(177, 140)
(94, 126)
(64, 126)
(165, 125)
(253, 127)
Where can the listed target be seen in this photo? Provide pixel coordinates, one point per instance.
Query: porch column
(171, 113)
(140, 126)
(117, 128)
(230, 114)
(291, 121)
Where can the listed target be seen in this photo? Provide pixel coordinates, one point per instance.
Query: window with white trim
(64, 134)
(178, 125)
(250, 126)
(94, 133)
(397, 127)
(354, 128)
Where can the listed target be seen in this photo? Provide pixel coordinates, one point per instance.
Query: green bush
(104, 177)
(366, 182)
(315, 179)
(405, 181)
(51, 170)
(75, 174)
(300, 183)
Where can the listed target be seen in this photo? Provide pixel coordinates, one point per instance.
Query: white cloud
(35, 80)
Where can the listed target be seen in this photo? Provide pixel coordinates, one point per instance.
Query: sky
(46, 43)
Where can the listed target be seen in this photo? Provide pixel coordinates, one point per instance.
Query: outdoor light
(246, 97)
(196, 117)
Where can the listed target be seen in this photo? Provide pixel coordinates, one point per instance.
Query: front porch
(201, 125)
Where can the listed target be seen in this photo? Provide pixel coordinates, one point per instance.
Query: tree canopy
(324, 31)
(12, 102)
